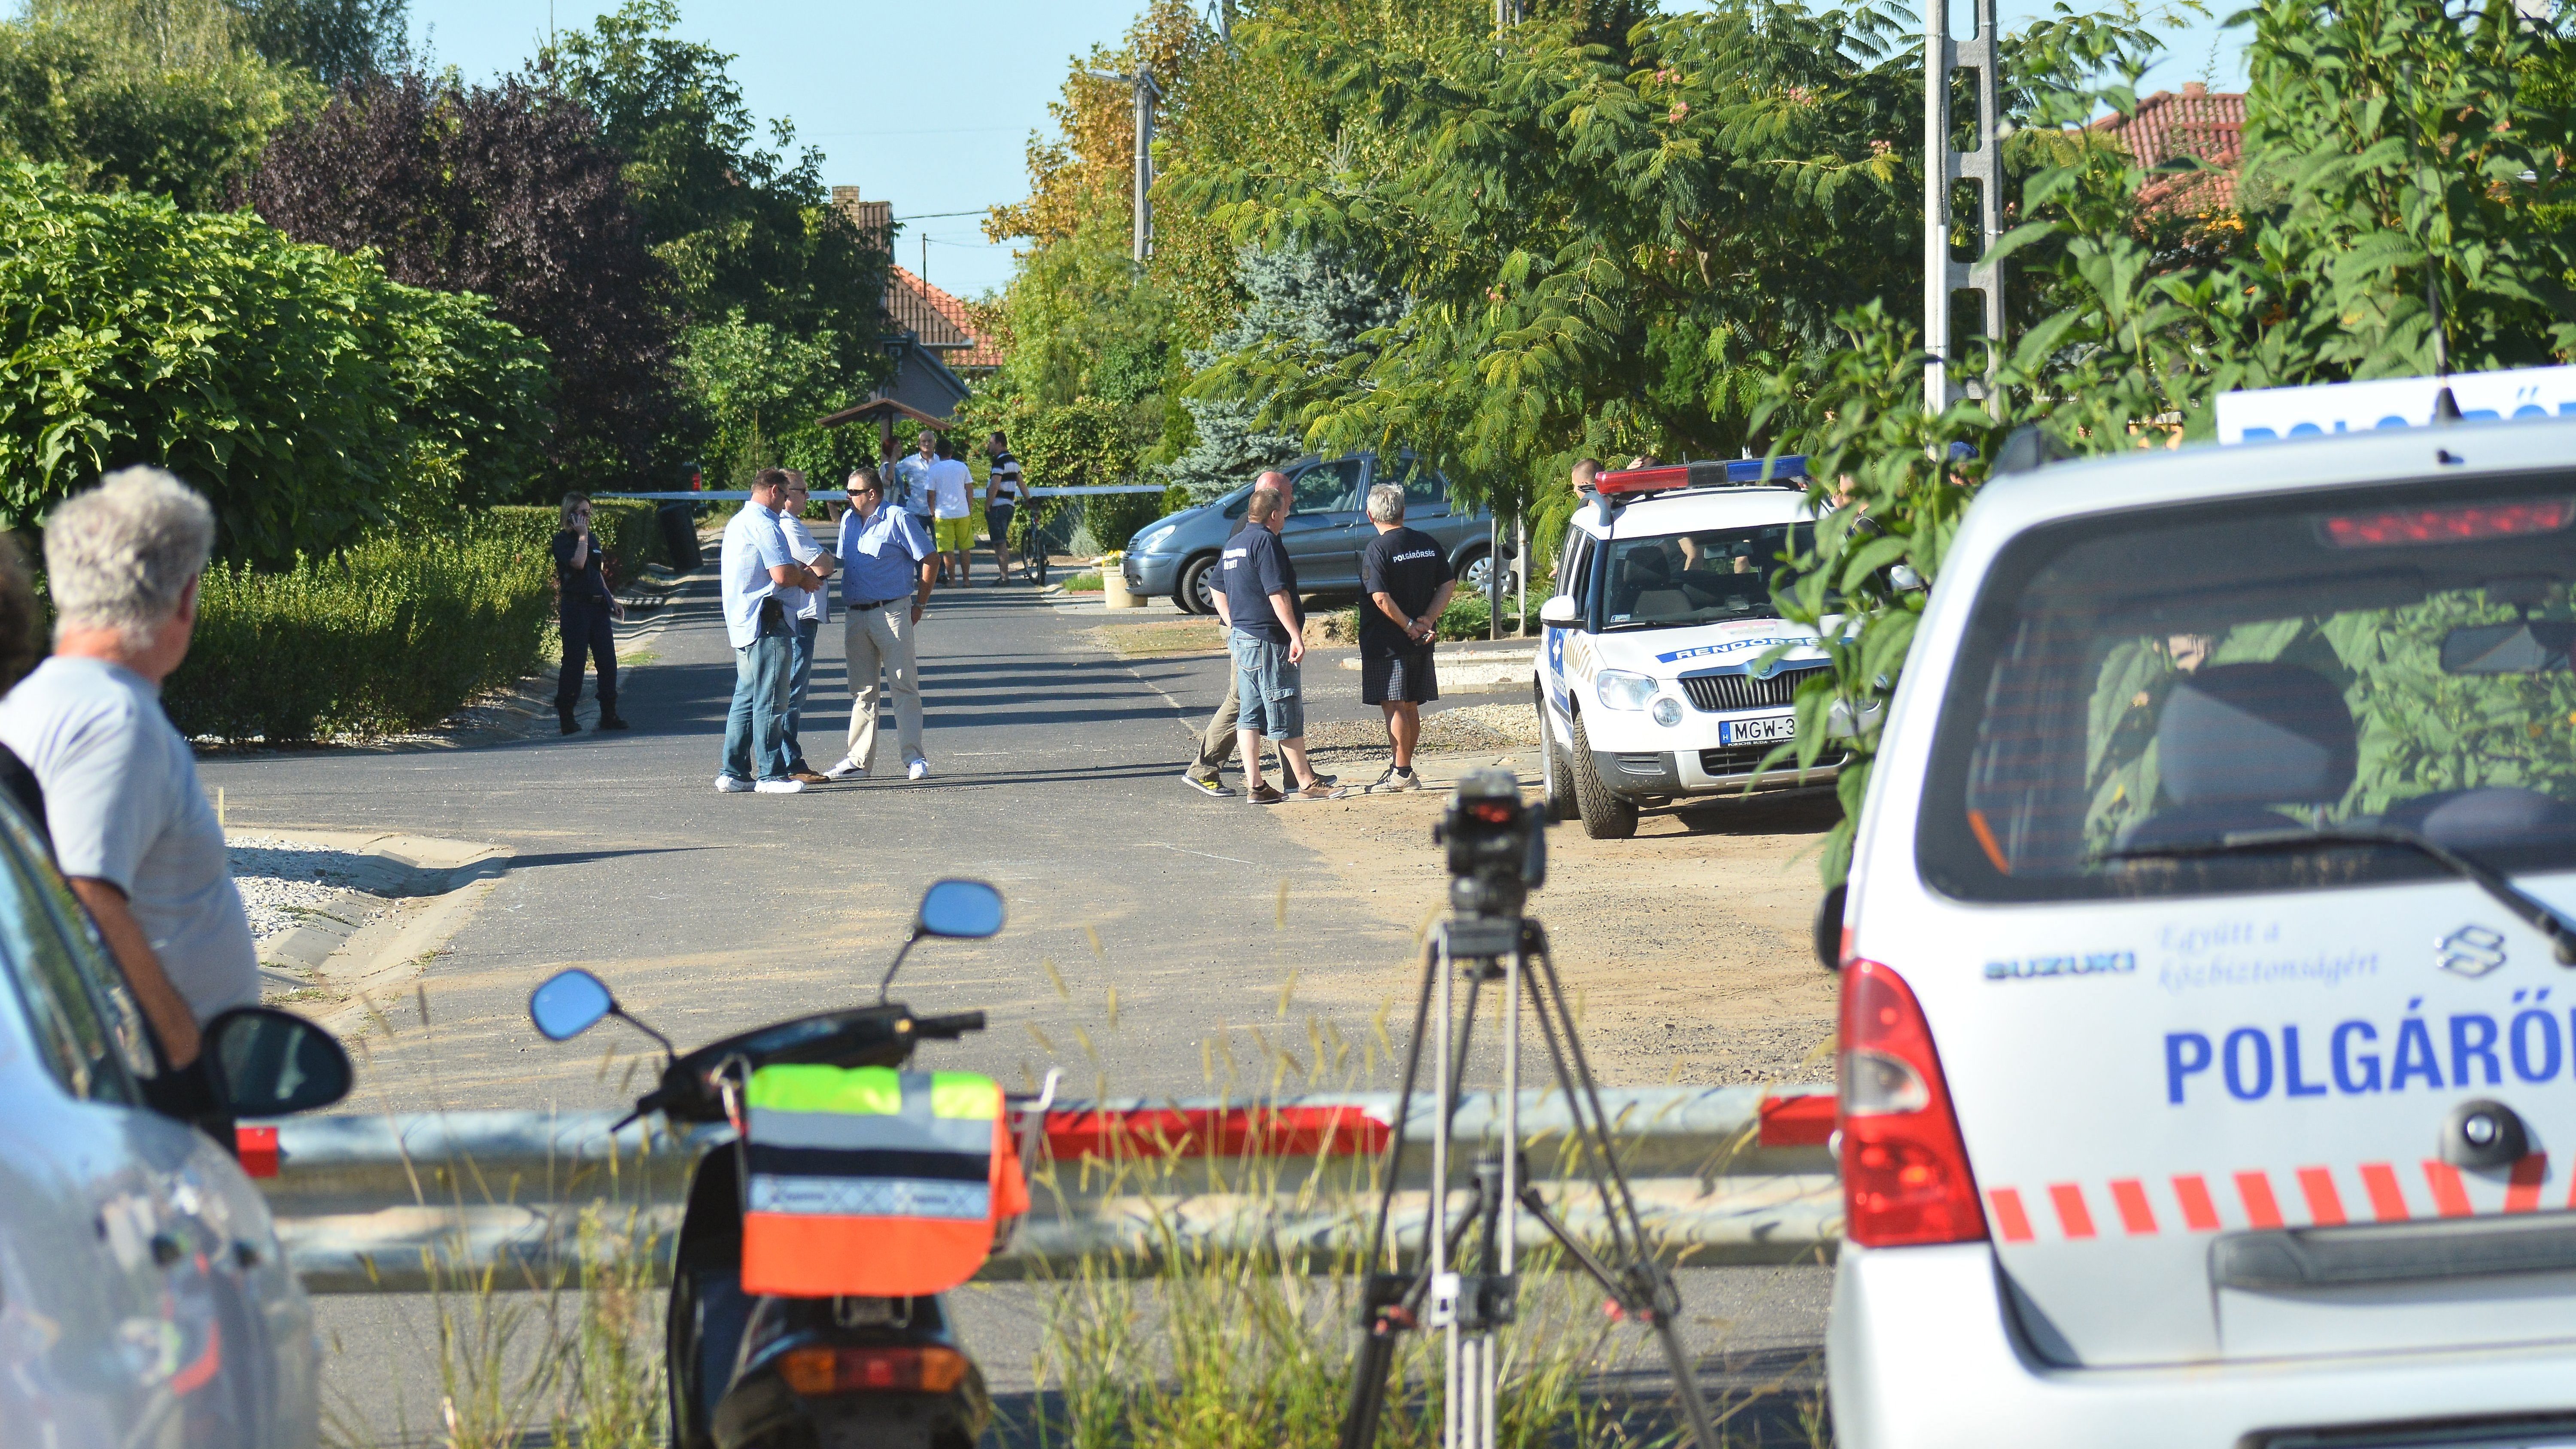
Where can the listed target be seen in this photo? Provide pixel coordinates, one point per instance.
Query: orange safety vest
(870, 1182)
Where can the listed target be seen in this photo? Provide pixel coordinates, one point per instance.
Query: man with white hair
(1406, 582)
(132, 829)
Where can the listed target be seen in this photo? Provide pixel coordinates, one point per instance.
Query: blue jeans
(800, 672)
(761, 672)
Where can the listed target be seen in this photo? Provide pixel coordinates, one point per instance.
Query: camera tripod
(1468, 1309)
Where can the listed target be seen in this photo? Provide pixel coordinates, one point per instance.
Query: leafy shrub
(392, 633)
(296, 387)
(627, 528)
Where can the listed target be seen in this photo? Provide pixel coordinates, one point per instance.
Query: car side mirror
(1829, 928)
(271, 1063)
(1562, 612)
(968, 909)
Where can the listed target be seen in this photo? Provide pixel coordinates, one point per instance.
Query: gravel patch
(1474, 727)
(283, 881)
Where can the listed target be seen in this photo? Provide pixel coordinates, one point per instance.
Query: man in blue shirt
(1265, 631)
(752, 568)
(887, 565)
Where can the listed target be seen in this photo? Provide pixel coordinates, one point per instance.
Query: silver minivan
(1176, 554)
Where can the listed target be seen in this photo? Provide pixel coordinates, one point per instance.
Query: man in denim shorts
(1265, 631)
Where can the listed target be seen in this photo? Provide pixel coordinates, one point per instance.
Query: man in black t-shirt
(1407, 581)
(1265, 631)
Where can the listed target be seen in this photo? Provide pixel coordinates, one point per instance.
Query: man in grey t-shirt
(131, 827)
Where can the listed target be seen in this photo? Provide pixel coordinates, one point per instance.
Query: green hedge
(626, 528)
(391, 634)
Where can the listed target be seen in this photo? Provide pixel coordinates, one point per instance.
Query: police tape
(408, 1202)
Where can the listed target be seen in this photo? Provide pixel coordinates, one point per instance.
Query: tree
(1312, 301)
(508, 191)
(304, 391)
(740, 228)
(337, 40)
(146, 95)
(758, 383)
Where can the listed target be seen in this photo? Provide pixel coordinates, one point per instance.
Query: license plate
(1769, 730)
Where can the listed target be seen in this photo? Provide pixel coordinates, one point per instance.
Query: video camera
(1497, 853)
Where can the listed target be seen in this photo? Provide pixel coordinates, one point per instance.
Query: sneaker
(732, 785)
(1211, 786)
(1391, 781)
(809, 777)
(917, 770)
(789, 786)
(1263, 795)
(848, 769)
(1328, 779)
(1322, 789)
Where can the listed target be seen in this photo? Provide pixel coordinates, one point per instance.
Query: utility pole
(1147, 94)
(1942, 168)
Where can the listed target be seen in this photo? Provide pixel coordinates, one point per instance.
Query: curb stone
(433, 885)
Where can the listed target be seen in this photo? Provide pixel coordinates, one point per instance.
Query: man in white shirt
(909, 488)
(952, 500)
(808, 610)
(132, 829)
(752, 568)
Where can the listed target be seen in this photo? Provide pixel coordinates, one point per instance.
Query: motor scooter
(750, 1371)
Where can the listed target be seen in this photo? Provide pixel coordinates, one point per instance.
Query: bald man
(1217, 741)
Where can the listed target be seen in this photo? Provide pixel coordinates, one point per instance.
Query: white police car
(2208, 1026)
(1660, 672)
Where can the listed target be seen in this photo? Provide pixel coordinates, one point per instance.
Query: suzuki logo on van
(2470, 951)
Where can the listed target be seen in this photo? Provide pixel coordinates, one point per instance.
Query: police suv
(1661, 670)
(2208, 1021)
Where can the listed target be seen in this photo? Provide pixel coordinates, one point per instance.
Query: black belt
(878, 603)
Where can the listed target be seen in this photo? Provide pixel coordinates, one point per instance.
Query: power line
(935, 215)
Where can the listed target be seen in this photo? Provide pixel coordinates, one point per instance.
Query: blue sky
(930, 105)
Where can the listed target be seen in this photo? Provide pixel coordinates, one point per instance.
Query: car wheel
(1555, 778)
(1605, 816)
(1197, 593)
(1476, 574)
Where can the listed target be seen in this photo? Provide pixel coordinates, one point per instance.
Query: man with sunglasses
(888, 565)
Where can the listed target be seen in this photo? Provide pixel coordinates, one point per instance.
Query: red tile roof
(915, 306)
(941, 321)
(2194, 122)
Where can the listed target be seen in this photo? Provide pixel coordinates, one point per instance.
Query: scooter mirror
(570, 1003)
(967, 908)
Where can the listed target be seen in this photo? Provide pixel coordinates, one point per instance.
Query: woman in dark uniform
(585, 609)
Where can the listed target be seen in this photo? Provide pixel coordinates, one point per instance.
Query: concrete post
(1942, 166)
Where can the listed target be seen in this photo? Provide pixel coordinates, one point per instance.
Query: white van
(1661, 671)
(2209, 1032)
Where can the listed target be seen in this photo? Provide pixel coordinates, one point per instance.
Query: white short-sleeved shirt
(814, 604)
(753, 546)
(913, 474)
(952, 487)
(123, 805)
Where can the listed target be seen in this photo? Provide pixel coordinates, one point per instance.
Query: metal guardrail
(1723, 1175)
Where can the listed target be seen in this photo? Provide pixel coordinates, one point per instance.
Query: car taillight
(814, 1372)
(1905, 1170)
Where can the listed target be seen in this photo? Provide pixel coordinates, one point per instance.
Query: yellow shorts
(953, 535)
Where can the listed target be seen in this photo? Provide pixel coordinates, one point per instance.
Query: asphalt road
(1157, 941)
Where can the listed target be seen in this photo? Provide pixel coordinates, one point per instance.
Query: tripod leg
(1686, 1383)
(1378, 1259)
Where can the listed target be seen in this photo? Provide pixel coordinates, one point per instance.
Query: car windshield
(1700, 577)
(2134, 687)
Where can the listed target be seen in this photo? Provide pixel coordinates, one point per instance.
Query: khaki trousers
(1216, 742)
(873, 640)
